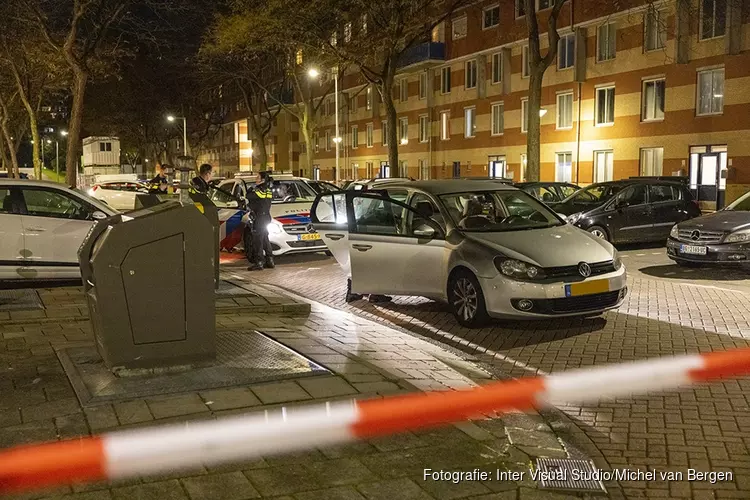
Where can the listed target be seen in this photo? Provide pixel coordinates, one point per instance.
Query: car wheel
(599, 232)
(683, 263)
(467, 300)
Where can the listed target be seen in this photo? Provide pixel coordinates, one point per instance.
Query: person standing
(200, 183)
(259, 201)
(160, 183)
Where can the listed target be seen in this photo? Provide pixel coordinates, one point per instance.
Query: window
(565, 110)
(660, 193)
(334, 39)
(710, 92)
(384, 132)
(498, 123)
(355, 137)
(364, 24)
(544, 4)
(603, 166)
(653, 100)
(564, 167)
(520, 8)
(635, 195)
(713, 18)
(368, 170)
(605, 106)
(331, 107)
(424, 172)
(497, 67)
(491, 17)
(460, 26)
(445, 125)
(654, 30)
(525, 62)
(524, 115)
(368, 98)
(403, 130)
(566, 51)
(328, 140)
(352, 100)
(524, 165)
(606, 35)
(471, 74)
(423, 85)
(403, 171)
(445, 80)
(470, 122)
(403, 90)
(652, 161)
(316, 142)
(370, 134)
(49, 203)
(377, 215)
(424, 128)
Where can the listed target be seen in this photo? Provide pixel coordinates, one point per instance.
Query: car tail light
(96, 186)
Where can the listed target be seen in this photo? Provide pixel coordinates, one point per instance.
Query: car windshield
(596, 193)
(740, 205)
(498, 211)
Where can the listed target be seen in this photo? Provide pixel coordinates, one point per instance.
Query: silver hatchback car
(489, 250)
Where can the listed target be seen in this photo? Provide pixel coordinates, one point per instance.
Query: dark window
(6, 202)
(377, 216)
(492, 17)
(47, 203)
(109, 146)
(101, 147)
(658, 194)
(635, 195)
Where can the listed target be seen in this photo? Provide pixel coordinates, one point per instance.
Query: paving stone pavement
(706, 428)
(368, 360)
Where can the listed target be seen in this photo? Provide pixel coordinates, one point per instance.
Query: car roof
(445, 186)
(32, 182)
(641, 180)
(543, 183)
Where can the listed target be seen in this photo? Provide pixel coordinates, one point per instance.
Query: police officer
(200, 183)
(159, 184)
(259, 201)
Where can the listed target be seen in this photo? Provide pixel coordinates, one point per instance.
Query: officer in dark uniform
(200, 183)
(259, 202)
(159, 184)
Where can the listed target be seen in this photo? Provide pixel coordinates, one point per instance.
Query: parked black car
(633, 210)
(548, 192)
(722, 237)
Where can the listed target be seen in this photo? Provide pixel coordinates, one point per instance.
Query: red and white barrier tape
(191, 445)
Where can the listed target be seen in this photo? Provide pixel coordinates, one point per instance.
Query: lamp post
(314, 73)
(63, 133)
(172, 118)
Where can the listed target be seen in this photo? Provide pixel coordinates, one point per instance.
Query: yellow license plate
(306, 237)
(587, 288)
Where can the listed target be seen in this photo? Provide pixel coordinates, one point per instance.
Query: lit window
(299, 57)
(404, 129)
(403, 90)
(566, 51)
(491, 16)
(347, 32)
(654, 30)
(470, 122)
(565, 110)
(497, 67)
(652, 161)
(652, 107)
(368, 102)
(471, 74)
(711, 92)
(606, 35)
(713, 18)
(445, 125)
(355, 137)
(498, 122)
(524, 115)
(605, 106)
(423, 85)
(460, 27)
(564, 167)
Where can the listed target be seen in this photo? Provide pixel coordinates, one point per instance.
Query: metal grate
(696, 236)
(568, 474)
(19, 300)
(571, 272)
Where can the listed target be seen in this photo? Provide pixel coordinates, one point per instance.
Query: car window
(741, 204)
(546, 194)
(323, 187)
(498, 211)
(237, 191)
(662, 193)
(6, 201)
(112, 186)
(634, 195)
(567, 190)
(48, 203)
(221, 196)
(331, 208)
(597, 193)
(414, 220)
(377, 216)
(397, 194)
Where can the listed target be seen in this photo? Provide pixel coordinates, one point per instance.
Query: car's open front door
(329, 218)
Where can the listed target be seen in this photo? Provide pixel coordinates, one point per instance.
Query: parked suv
(633, 210)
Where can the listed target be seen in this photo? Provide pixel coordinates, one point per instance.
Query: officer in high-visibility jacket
(200, 183)
(259, 201)
(160, 183)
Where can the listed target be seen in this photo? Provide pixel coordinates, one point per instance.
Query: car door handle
(335, 237)
(36, 229)
(362, 248)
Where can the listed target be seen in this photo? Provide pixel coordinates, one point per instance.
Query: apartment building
(630, 93)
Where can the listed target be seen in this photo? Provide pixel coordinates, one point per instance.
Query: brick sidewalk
(368, 359)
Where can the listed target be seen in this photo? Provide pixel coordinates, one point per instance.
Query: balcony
(423, 55)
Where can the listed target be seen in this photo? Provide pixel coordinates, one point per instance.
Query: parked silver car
(488, 249)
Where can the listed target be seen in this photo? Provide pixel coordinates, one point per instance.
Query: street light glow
(404, 142)
(63, 133)
(49, 141)
(170, 118)
(313, 73)
(337, 139)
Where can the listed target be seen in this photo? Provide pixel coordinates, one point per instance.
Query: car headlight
(573, 218)
(674, 233)
(616, 261)
(274, 228)
(518, 269)
(740, 236)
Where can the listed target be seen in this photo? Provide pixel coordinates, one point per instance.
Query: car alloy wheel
(599, 232)
(465, 299)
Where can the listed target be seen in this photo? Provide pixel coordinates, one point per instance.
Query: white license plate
(693, 249)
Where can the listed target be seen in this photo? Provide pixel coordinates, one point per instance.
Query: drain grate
(568, 474)
(19, 300)
(230, 290)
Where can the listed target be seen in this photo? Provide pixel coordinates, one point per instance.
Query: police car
(289, 232)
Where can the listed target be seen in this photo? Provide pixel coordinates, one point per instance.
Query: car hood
(724, 220)
(551, 247)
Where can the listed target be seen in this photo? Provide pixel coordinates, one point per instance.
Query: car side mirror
(425, 232)
(99, 215)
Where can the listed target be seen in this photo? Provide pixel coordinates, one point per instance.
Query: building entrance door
(496, 167)
(708, 169)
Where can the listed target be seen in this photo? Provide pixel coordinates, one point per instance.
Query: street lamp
(172, 118)
(314, 73)
(63, 133)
